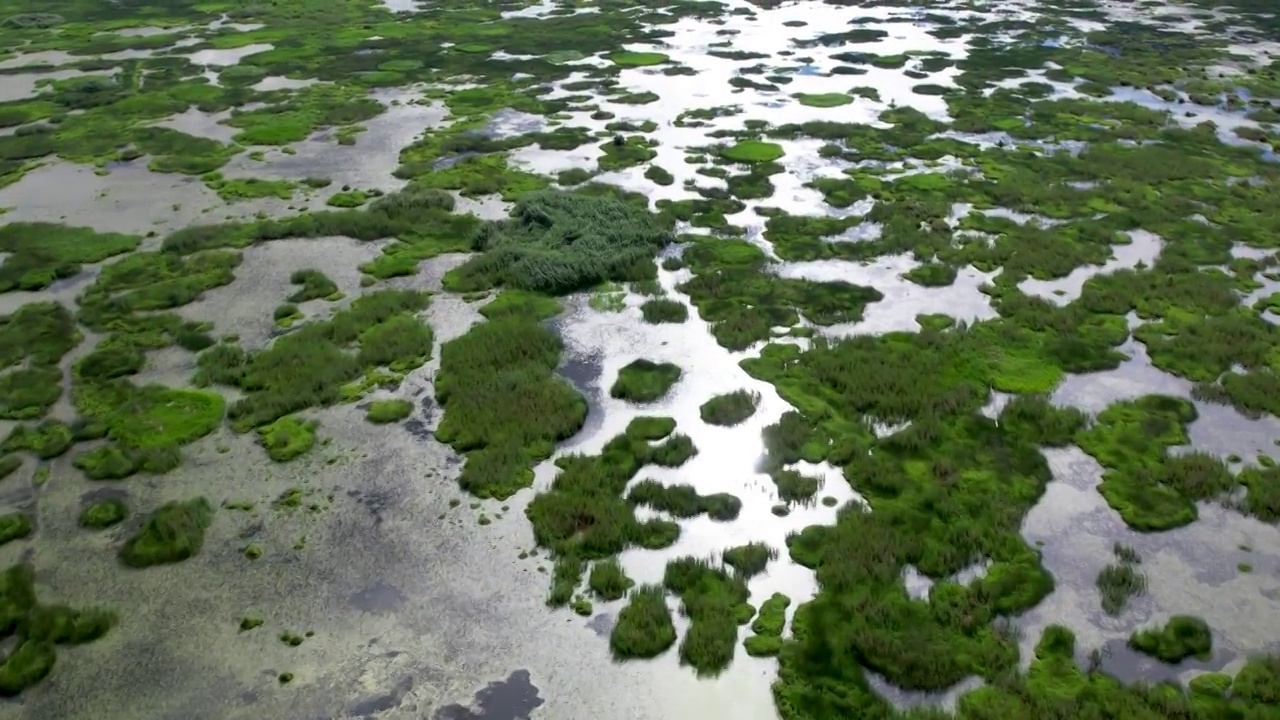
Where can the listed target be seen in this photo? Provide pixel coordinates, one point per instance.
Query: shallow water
(405, 626)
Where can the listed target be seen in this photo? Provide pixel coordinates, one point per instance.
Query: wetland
(774, 360)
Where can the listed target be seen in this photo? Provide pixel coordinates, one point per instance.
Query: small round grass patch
(637, 59)
(753, 151)
(823, 100)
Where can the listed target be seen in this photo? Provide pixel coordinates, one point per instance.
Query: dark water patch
(1124, 663)
(418, 429)
(382, 703)
(583, 371)
(512, 699)
(380, 597)
(376, 500)
(602, 624)
(102, 495)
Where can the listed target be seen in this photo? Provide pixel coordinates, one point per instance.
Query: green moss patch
(710, 598)
(33, 341)
(560, 242)
(637, 59)
(288, 437)
(644, 381)
(749, 560)
(663, 310)
(14, 526)
(41, 253)
(503, 406)
(38, 629)
(683, 501)
(47, 440)
(823, 100)
(608, 581)
(752, 151)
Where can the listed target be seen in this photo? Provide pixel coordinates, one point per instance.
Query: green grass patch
(683, 501)
(644, 628)
(104, 514)
(752, 151)
(644, 381)
(823, 100)
(382, 412)
(14, 526)
(288, 437)
(729, 409)
(608, 581)
(637, 59)
(1182, 637)
(710, 598)
(172, 533)
(749, 560)
(664, 310)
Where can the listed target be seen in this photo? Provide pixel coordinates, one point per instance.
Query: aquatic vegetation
(150, 416)
(315, 286)
(772, 615)
(287, 437)
(557, 242)
(664, 310)
(608, 581)
(388, 411)
(710, 598)
(503, 406)
(752, 151)
(47, 440)
(823, 100)
(116, 462)
(33, 340)
(683, 501)
(729, 409)
(1120, 581)
(644, 381)
(37, 629)
(172, 533)
(521, 304)
(637, 59)
(583, 515)
(1180, 638)
(794, 486)
(14, 526)
(104, 514)
(644, 628)
(749, 560)
(648, 427)
(40, 253)
(311, 366)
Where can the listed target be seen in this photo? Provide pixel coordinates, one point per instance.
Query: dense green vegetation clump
(1180, 638)
(644, 628)
(503, 405)
(768, 627)
(583, 515)
(749, 560)
(644, 381)
(33, 340)
(683, 501)
(1120, 581)
(172, 533)
(37, 629)
(382, 412)
(608, 580)
(14, 526)
(288, 437)
(710, 598)
(104, 514)
(664, 310)
(557, 242)
(40, 253)
(729, 409)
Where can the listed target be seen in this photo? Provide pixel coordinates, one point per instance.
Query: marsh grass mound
(504, 407)
(583, 515)
(1182, 637)
(14, 526)
(644, 628)
(9, 464)
(629, 59)
(794, 486)
(103, 514)
(608, 581)
(644, 381)
(753, 151)
(288, 437)
(382, 412)
(749, 560)
(710, 598)
(664, 310)
(315, 286)
(1120, 581)
(47, 440)
(35, 629)
(683, 501)
(823, 100)
(172, 533)
(560, 242)
(729, 409)
(767, 626)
